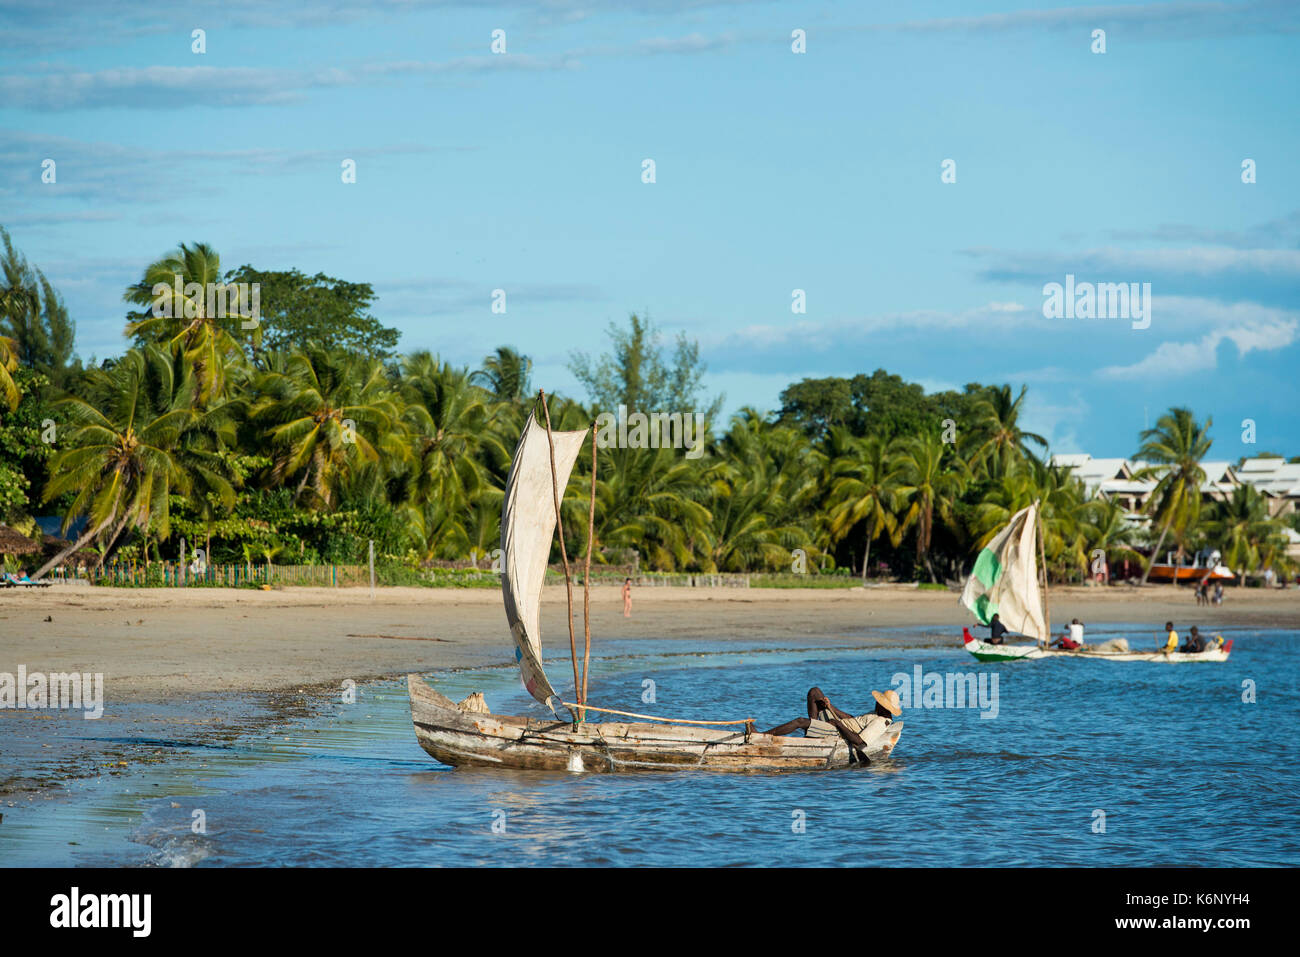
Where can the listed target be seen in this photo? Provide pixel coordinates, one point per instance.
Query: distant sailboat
(466, 733)
(1005, 582)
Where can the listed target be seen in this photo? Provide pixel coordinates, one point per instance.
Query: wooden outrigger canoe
(468, 734)
(458, 735)
(984, 651)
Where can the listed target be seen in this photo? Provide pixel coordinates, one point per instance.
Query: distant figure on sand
(1202, 593)
(1171, 640)
(1218, 593)
(825, 720)
(627, 598)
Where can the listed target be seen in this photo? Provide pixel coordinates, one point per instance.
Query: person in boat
(825, 720)
(1072, 640)
(1171, 639)
(1195, 642)
(997, 631)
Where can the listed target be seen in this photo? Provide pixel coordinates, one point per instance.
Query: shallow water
(1184, 772)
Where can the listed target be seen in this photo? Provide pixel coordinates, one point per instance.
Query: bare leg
(798, 724)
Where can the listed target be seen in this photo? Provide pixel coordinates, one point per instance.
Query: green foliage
(297, 308)
(23, 453)
(304, 448)
(35, 329)
(636, 374)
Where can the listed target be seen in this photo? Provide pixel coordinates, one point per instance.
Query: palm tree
(1244, 530)
(506, 374)
(323, 413)
(1108, 530)
(1176, 445)
(1000, 440)
(121, 459)
(764, 482)
(183, 319)
(865, 489)
(927, 487)
(451, 421)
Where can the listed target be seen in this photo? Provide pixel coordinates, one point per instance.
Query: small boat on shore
(1005, 582)
(468, 734)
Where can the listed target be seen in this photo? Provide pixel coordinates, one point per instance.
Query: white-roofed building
(1111, 479)
(1277, 479)
(1116, 480)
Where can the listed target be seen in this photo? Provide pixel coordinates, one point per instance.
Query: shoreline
(164, 644)
(208, 665)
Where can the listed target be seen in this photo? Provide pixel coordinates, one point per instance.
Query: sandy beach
(164, 644)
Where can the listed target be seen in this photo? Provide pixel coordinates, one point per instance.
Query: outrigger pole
(586, 579)
(564, 555)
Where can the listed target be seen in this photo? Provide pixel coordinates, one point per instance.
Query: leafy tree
(636, 374)
(335, 314)
(35, 329)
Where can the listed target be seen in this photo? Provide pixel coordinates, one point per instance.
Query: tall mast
(564, 555)
(1042, 559)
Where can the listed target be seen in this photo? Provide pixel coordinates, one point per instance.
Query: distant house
(1277, 479)
(1111, 479)
(1115, 480)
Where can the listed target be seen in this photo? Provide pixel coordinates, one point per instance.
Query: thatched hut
(14, 543)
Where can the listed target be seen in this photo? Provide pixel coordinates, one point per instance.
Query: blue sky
(775, 171)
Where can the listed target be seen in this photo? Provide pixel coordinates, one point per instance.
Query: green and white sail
(1004, 580)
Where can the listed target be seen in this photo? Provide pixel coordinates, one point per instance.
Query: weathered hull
(985, 652)
(478, 739)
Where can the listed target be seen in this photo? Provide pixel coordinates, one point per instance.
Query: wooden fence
(177, 575)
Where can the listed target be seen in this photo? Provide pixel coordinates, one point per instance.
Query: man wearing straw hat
(826, 721)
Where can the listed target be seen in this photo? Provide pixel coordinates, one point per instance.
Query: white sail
(1004, 580)
(527, 528)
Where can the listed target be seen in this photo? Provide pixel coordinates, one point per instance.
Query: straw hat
(889, 700)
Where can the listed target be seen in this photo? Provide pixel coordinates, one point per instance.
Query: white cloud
(1179, 358)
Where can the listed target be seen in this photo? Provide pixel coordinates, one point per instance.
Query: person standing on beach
(1218, 593)
(627, 598)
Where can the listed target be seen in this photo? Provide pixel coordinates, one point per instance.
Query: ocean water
(1085, 763)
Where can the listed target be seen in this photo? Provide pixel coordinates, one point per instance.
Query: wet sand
(207, 665)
